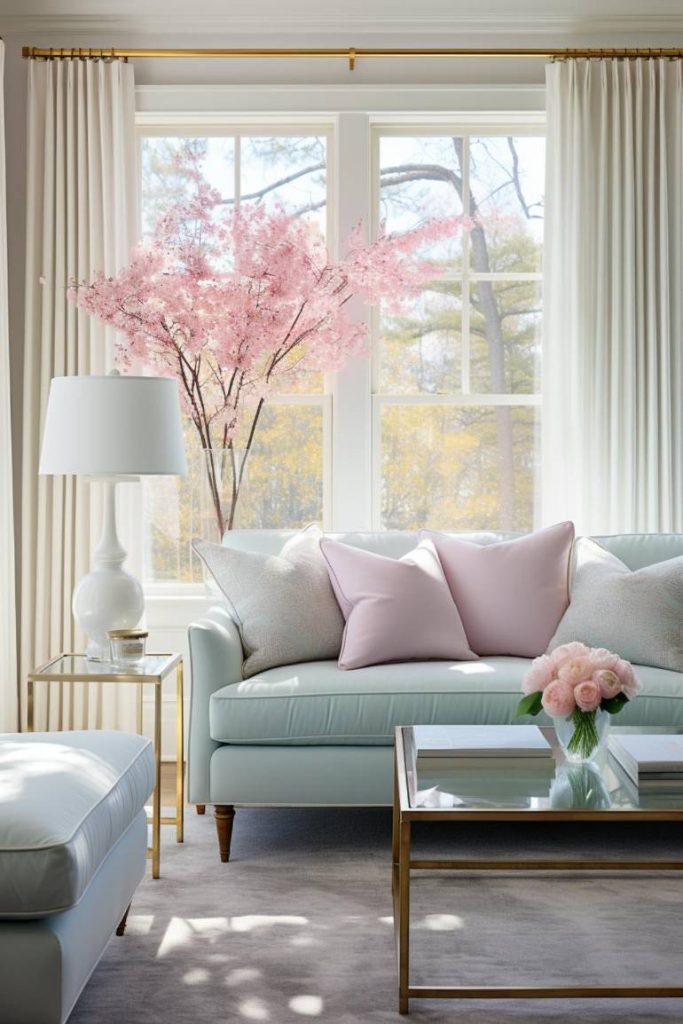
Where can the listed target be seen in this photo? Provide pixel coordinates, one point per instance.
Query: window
(457, 377)
(285, 476)
(453, 396)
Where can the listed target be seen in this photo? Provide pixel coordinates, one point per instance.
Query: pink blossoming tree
(230, 302)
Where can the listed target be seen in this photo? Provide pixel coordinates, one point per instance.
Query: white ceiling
(519, 16)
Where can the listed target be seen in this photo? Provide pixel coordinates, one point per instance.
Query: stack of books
(653, 761)
(509, 755)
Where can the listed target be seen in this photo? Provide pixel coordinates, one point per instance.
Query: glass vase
(579, 786)
(223, 483)
(582, 735)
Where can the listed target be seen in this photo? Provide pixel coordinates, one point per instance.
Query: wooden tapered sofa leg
(225, 815)
(201, 808)
(121, 926)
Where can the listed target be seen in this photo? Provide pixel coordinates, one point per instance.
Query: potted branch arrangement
(231, 301)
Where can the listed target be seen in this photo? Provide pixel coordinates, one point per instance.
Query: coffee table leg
(403, 932)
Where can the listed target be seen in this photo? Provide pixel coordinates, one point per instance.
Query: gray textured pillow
(283, 605)
(638, 615)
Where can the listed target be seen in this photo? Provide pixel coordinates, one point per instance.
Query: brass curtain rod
(351, 54)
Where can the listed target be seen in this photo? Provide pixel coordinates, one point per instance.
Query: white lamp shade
(113, 426)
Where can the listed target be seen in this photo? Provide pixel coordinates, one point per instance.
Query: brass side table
(70, 677)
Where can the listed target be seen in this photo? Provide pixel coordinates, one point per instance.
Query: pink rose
(587, 695)
(600, 657)
(630, 683)
(575, 670)
(538, 675)
(558, 699)
(566, 651)
(608, 681)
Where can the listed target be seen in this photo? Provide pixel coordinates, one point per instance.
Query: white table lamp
(111, 428)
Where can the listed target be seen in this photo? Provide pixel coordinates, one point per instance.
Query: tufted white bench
(73, 841)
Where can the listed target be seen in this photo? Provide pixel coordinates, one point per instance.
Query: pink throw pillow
(511, 596)
(395, 609)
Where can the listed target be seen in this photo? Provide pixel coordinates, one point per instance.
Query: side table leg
(180, 757)
(403, 916)
(156, 797)
(29, 708)
(396, 815)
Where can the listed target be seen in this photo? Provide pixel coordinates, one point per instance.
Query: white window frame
(351, 404)
(466, 127)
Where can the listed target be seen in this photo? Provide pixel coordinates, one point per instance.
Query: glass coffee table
(600, 792)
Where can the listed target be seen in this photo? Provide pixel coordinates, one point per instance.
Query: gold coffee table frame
(66, 681)
(403, 817)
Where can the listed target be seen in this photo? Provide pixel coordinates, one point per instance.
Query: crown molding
(353, 24)
(212, 104)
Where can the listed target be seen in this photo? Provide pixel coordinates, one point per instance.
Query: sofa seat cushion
(318, 703)
(65, 800)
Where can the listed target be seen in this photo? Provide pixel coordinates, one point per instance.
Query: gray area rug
(298, 926)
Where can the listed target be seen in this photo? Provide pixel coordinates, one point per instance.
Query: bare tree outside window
(466, 458)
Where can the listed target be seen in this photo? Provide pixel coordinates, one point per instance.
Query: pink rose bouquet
(573, 683)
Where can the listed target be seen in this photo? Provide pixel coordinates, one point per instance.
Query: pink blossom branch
(229, 300)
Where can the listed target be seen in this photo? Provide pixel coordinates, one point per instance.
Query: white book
(477, 765)
(644, 754)
(480, 741)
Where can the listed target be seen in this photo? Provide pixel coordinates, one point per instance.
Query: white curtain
(81, 202)
(613, 331)
(8, 635)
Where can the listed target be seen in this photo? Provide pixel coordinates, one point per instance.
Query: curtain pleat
(8, 634)
(81, 202)
(612, 431)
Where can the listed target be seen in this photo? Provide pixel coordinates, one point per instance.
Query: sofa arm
(216, 658)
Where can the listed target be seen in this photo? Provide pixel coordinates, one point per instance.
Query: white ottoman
(73, 842)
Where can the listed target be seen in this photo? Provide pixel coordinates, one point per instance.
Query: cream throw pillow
(638, 615)
(283, 605)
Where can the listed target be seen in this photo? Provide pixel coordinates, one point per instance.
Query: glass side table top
(602, 786)
(77, 668)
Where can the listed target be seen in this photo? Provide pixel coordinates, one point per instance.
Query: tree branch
(418, 172)
(262, 192)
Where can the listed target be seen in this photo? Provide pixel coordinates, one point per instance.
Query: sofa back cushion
(283, 605)
(511, 595)
(634, 549)
(396, 609)
(390, 543)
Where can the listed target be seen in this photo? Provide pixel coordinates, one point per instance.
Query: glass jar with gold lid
(127, 646)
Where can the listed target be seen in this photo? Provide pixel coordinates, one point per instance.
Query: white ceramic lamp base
(108, 597)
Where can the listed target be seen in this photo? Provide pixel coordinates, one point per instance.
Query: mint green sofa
(314, 735)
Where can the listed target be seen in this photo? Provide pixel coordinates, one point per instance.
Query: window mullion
(237, 168)
(351, 387)
(465, 315)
